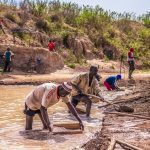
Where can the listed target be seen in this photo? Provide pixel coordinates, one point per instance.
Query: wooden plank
(130, 115)
(112, 144)
(72, 126)
(68, 132)
(128, 145)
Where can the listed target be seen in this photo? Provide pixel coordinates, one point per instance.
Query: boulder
(81, 46)
(51, 60)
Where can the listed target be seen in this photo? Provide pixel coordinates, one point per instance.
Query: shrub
(71, 65)
(44, 25)
(13, 17)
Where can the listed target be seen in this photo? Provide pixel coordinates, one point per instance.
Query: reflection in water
(12, 121)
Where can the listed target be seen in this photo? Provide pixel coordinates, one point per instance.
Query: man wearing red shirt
(51, 46)
(131, 62)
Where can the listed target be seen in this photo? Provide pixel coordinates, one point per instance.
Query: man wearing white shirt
(45, 96)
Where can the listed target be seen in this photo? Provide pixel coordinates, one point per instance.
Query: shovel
(116, 107)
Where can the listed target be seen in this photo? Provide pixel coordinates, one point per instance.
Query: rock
(51, 60)
(81, 46)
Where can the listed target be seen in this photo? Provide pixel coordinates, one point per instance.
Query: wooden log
(112, 144)
(68, 132)
(130, 115)
(72, 126)
(128, 145)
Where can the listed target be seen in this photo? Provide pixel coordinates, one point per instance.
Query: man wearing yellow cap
(44, 96)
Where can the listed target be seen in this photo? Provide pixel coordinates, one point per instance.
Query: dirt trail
(65, 74)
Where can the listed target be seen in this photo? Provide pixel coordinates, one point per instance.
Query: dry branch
(128, 145)
(112, 144)
(130, 115)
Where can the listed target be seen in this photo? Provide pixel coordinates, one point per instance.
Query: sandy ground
(66, 74)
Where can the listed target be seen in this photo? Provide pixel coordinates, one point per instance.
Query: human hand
(79, 91)
(98, 77)
(50, 128)
(81, 126)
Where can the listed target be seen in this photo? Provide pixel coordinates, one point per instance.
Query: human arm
(45, 117)
(77, 88)
(75, 83)
(98, 77)
(74, 112)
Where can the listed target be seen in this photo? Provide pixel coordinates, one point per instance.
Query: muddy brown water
(12, 121)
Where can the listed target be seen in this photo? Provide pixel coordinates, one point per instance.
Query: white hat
(67, 86)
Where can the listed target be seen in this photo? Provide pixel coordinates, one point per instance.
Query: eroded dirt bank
(132, 130)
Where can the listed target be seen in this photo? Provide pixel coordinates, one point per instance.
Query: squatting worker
(43, 97)
(110, 82)
(84, 84)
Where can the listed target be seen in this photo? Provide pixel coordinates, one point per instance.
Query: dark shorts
(78, 98)
(131, 65)
(31, 112)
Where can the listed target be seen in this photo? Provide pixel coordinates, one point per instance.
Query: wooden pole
(117, 102)
(130, 115)
(102, 100)
(128, 145)
(112, 144)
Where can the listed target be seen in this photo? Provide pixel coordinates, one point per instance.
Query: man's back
(51, 46)
(8, 55)
(111, 80)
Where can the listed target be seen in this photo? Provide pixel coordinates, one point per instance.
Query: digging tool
(117, 108)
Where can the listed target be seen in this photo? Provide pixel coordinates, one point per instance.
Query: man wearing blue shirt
(7, 55)
(110, 82)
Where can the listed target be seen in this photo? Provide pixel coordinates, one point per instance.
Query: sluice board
(31, 134)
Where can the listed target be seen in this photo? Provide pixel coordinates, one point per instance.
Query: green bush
(43, 25)
(13, 17)
(71, 65)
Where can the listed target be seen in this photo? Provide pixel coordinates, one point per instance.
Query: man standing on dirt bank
(45, 96)
(85, 84)
(8, 57)
(131, 62)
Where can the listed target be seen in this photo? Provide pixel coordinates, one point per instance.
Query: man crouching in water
(83, 84)
(45, 96)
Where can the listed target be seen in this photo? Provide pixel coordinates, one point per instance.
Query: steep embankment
(79, 33)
